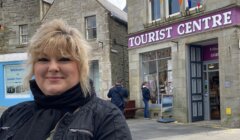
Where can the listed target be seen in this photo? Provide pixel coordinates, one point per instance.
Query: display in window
(158, 73)
(151, 79)
(13, 80)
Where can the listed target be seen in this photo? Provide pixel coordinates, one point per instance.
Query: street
(142, 129)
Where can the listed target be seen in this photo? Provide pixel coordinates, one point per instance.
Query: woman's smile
(55, 74)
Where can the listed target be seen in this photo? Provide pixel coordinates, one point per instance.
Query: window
(94, 75)
(155, 9)
(157, 71)
(193, 3)
(13, 81)
(91, 28)
(23, 33)
(173, 6)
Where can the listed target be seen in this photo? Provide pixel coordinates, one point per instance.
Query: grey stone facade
(109, 48)
(12, 14)
(229, 57)
(111, 32)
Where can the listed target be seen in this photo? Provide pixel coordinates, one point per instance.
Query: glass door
(214, 98)
(196, 91)
(211, 91)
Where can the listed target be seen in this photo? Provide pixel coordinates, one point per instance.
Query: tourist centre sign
(211, 21)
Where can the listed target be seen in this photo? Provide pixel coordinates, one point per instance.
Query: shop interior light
(211, 66)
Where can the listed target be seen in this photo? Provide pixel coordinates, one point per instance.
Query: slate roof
(115, 11)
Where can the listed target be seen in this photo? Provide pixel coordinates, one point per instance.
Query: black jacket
(146, 93)
(117, 95)
(97, 120)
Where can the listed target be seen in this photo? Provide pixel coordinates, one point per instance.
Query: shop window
(149, 56)
(157, 71)
(94, 75)
(91, 28)
(13, 81)
(23, 34)
(155, 9)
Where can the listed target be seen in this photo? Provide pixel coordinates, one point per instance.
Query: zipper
(81, 131)
(8, 134)
(53, 132)
(5, 128)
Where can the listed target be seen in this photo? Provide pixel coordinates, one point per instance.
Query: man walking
(118, 94)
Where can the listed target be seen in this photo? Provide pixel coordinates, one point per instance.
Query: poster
(13, 81)
(167, 105)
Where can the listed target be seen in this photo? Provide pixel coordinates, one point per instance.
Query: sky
(119, 3)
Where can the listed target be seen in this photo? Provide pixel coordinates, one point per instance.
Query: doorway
(211, 91)
(204, 81)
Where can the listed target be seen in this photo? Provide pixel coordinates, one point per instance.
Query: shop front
(193, 61)
(12, 71)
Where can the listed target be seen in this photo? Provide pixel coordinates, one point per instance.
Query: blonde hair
(58, 38)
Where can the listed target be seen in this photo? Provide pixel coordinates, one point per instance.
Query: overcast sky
(119, 3)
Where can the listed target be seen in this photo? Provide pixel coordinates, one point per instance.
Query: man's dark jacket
(117, 95)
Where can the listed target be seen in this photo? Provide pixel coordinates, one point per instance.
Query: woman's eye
(64, 59)
(43, 59)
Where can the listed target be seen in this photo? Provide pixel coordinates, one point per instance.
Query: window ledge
(174, 18)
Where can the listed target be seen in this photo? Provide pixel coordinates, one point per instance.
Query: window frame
(151, 70)
(168, 10)
(164, 9)
(23, 32)
(150, 11)
(193, 8)
(92, 28)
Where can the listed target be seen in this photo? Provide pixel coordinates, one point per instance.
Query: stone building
(102, 24)
(188, 50)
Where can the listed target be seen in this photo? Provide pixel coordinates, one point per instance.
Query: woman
(65, 106)
(146, 98)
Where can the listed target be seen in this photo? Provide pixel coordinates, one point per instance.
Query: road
(152, 130)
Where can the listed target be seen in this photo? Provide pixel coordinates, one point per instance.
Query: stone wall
(137, 15)
(118, 51)
(13, 14)
(230, 73)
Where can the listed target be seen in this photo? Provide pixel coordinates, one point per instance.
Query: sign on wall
(13, 81)
(210, 52)
(207, 22)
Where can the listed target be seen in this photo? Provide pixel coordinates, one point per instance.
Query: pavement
(151, 129)
(142, 129)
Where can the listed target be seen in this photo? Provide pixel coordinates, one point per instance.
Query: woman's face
(55, 74)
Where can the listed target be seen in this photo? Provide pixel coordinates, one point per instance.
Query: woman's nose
(53, 66)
